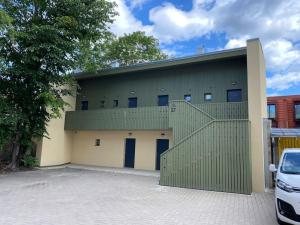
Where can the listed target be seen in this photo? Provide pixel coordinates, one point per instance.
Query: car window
(291, 163)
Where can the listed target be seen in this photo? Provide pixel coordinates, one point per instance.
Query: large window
(234, 95)
(132, 102)
(297, 111)
(272, 111)
(163, 100)
(84, 105)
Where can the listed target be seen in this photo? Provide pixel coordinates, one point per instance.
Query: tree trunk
(15, 152)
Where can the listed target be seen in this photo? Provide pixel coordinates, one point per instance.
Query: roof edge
(228, 53)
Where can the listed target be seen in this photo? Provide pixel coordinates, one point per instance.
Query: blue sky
(183, 26)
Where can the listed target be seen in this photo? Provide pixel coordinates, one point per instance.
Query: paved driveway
(74, 197)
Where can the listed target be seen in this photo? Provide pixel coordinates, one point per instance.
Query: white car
(287, 192)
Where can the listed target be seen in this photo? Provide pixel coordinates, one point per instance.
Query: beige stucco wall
(111, 151)
(56, 149)
(257, 104)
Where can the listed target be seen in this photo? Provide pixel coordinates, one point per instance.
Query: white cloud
(173, 24)
(236, 43)
(280, 82)
(136, 3)
(280, 54)
(126, 22)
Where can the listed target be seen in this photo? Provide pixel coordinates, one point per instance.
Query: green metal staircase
(210, 147)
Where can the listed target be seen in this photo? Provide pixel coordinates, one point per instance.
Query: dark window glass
(102, 104)
(84, 105)
(234, 95)
(116, 103)
(297, 111)
(188, 98)
(207, 97)
(132, 102)
(163, 100)
(97, 143)
(271, 111)
(291, 163)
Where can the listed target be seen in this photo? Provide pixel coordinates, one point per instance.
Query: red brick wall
(285, 114)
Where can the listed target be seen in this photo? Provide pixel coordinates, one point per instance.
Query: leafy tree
(41, 42)
(133, 48)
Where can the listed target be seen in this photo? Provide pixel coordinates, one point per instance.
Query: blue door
(129, 152)
(132, 102)
(161, 146)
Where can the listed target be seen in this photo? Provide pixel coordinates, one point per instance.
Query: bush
(29, 161)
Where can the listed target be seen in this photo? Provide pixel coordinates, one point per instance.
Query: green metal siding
(215, 156)
(214, 77)
(154, 118)
(143, 118)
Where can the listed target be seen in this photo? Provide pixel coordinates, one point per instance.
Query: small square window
(102, 104)
(162, 100)
(187, 98)
(207, 97)
(84, 105)
(234, 95)
(97, 142)
(116, 103)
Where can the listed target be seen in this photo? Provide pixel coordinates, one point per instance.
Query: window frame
(129, 102)
(206, 94)
(97, 142)
(158, 100)
(237, 90)
(295, 112)
(187, 95)
(268, 111)
(85, 106)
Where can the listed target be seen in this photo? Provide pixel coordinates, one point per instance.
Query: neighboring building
(198, 119)
(284, 111)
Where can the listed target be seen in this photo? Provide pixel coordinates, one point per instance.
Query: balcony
(142, 118)
(145, 118)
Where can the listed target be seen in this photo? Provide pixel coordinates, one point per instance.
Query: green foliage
(134, 48)
(29, 161)
(40, 44)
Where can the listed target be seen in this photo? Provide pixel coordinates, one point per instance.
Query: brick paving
(69, 196)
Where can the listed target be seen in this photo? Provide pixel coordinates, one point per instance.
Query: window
(271, 111)
(163, 100)
(115, 103)
(234, 95)
(207, 97)
(187, 98)
(84, 105)
(132, 102)
(102, 104)
(297, 111)
(97, 142)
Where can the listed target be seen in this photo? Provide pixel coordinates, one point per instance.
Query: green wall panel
(214, 77)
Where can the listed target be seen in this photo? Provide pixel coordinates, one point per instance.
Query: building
(284, 111)
(198, 119)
